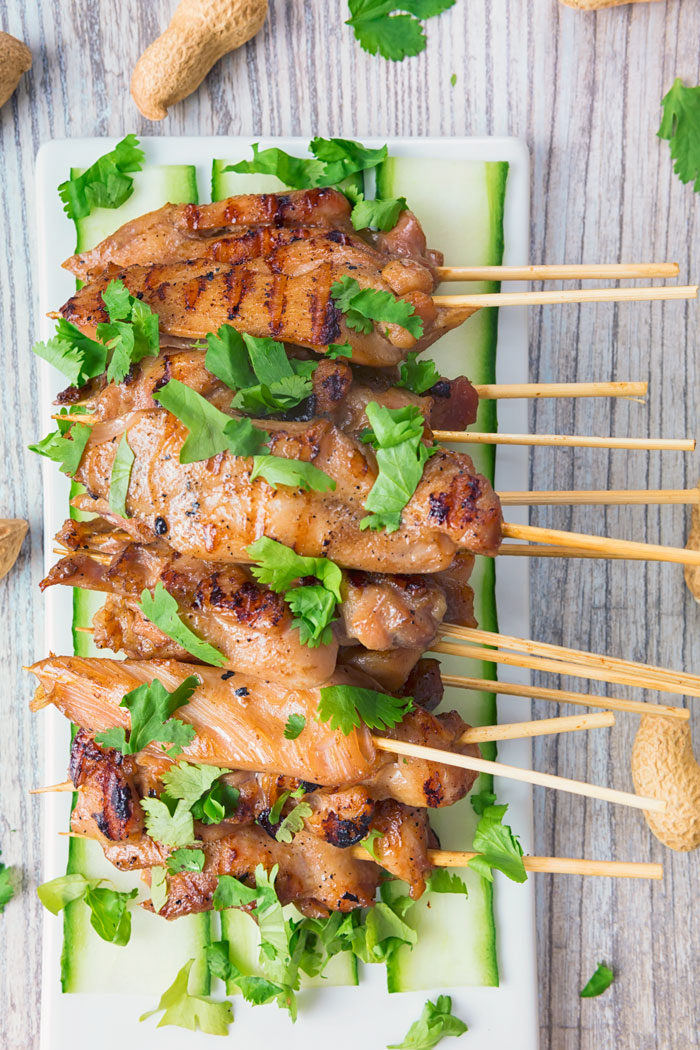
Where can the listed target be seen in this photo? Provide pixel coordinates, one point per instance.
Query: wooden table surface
(584, 91)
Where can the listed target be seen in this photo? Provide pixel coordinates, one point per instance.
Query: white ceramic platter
(345, 1018)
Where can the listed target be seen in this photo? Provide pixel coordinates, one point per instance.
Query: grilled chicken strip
(211, 510)
(240, 725)
(197, 297)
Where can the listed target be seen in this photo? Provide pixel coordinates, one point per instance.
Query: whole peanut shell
(664, 766)
(199, 34)
(12, 533)
(15, 59)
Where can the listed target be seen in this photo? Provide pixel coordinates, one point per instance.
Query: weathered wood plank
(584, 91)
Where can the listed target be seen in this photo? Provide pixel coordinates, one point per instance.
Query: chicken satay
(181, 231)
(197, 297)
(211, 509)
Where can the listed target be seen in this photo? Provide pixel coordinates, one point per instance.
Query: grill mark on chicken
(109, 797)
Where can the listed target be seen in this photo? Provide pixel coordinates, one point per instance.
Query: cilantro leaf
(159, 887)
(481, 800)
(293, 823)
(295, 726)
(345, 157)
(598, 983)
(7, 890)
(150, 708)
(219, 803)
(255, 990)
(105, 184)
(313, 605)
(293, 472)
(230, 892)
(440, 880)
(497, 847)
(362, 306)
(395, 36)
(274, 942)
(210, 430)
(120, 477)
(380, 214)
(348, 706)
(185, 860)
(191, 1011)
(65, 446)
(681, 127)
(227, 358)
(131, 332)
(171, 829)
(77, 356)
(397, 435)
(418, 376)
(335, 350)
(162, 610)
(275, 813)
(369, 841)
(384, 931)
(109, 915)
(189, 781)
(298, 172)
(435, 1022)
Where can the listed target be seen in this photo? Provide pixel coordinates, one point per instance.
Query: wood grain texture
(584, 90)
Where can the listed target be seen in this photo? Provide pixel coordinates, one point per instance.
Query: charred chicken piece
(211, 510)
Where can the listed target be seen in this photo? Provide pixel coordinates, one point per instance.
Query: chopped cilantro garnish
(109, 915)
(497, 847)
(210, 430)
(7, 890)
(435, 1022)
(348, 706)
(105, 184)
(162, 610)
(66, 445)
(378, 26)
(480, 800)
(189, 780)
(335, 350)
(131, 332)
(418, 376)
(159, 887)
(334, 160)
(293, 823)
(369, 841)
(440, 880)
(191, 1011)
(295, 726)
(397, 435)
(185, 860)
(363, 306)
(120, 477)
(276, 470)
(598, 983)
(77, 356)
(681, 127)
(172, 827)
(150, 708)
(379, 213)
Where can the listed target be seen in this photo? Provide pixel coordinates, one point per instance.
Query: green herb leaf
(480, 800)
(396, 36)
(380, 214)
(275, 813)
(7, 890)
(497, 847)
(345, 157)
(131, 332)
(77, 356)
(120, 477)
(418, 376)
(162, 610)
(59, 892)
(384, 931)
(219, 803)
(274, 942)
(293, 823)
(440, 880)
(681, 126)
(230, 892)
(105, 184)
(171, 829)
(435, 1022)
(313, 608)
(453, 79)
(348, 706)
(185, 860)
(109, 915)
(598, 983)
(150, 708)
(189, 781)
(65, 446)
(335, 350)
(191, 1011)
(368, 843)
(298, 172)
(397, 435)
(159, 887)
(210, 430)
(255, 990)
(295, 726)
(293, 472)
(227, 358)
(362, 306)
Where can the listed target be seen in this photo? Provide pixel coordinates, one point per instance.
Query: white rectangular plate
(342, 1017)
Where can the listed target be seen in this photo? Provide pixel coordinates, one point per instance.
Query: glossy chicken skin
(211, 509)
(197, 297)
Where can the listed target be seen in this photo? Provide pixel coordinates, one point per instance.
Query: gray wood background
(584, 91)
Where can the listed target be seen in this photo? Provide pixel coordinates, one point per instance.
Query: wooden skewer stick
(526, 776)
(602, 497)
(603, 544)
(563, 696)
(620, 869)
(561, 667)
(529, 550)
(474, 437)
(65, 785)
(574, 295)
(563, 272)
(538, 727)
(647, 672)
(500, 391)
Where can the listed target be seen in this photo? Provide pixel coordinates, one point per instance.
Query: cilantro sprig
(313, 605)
(418, 376)
(184, 1010)
(151, 708)
(681, 127)
(378, 26)
(435, 1022)
(293, 823)
(363, 306)
(497, 847)
(109, 915)
(65, 445)
(106, 183)
(397, 437)
(162, 610)
(348, 706)
(333, 160)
